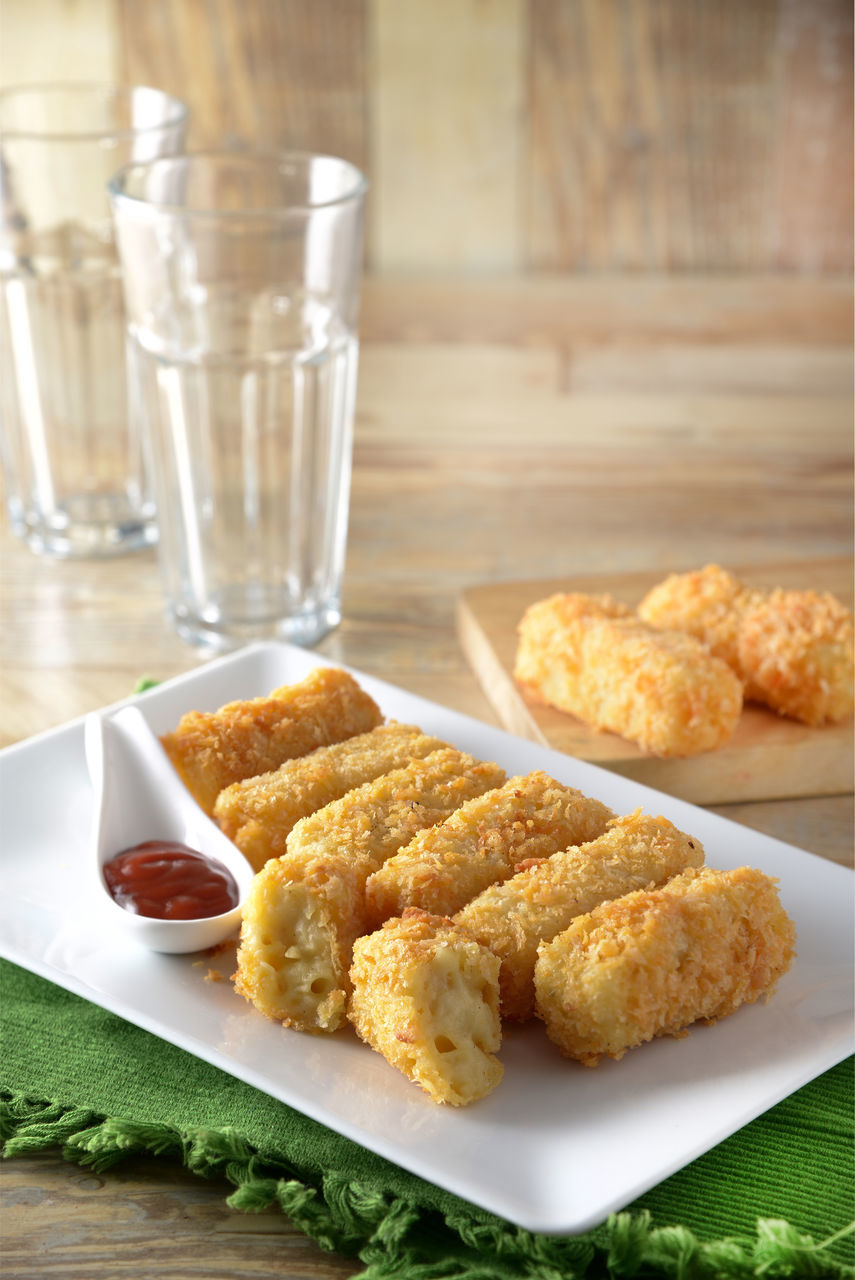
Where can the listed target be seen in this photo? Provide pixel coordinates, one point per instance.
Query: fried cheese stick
(653, 962)
(592, 657)
(211, 750)
(305, 910)
(514, 917)
(258, 813)
(445, 866)
(793, 650)
(426, 996)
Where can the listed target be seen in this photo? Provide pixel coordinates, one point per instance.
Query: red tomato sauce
(169, 881)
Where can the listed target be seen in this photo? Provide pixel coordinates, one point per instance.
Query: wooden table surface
(507, 428)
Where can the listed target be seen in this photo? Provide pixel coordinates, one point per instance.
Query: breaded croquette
(426, 996)
(514, 917)
(653, 962)
(796, 648)
(592, 657)
(211, 750)
(793, 650)
(258, 813)
(484, 840)
(305, 910)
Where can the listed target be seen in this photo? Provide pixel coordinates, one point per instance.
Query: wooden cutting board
(768, 757)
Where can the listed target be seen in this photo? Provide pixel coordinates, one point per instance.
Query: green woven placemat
(776, 1199)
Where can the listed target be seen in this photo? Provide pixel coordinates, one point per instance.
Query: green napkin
(773, 1200)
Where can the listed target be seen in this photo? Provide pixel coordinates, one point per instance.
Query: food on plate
(408, 888)
(792, 649)
(305, 910)
(514, 917)
(211, 750)
(426, 996)
(531, 816)
(653, 962)
(258, 813)
(590, 656)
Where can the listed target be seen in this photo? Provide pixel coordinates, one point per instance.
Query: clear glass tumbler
(72, 467)
(241, 275)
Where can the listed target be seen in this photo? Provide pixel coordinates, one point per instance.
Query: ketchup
(168, 881)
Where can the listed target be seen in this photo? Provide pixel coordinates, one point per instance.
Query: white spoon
(138, 796)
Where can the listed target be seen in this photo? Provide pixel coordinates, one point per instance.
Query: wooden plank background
(513, 135)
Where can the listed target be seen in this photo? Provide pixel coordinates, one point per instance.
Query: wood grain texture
(446, 104)
(812, 148)
(255, 73)
(768, 757)
(560, 311)
(508, 428)
(678, 134)
(145, 1218)
(581, 135)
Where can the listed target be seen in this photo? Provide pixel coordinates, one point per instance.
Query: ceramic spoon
(138, 796)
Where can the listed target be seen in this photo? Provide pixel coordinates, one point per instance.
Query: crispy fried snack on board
(514, 917)
(653, 962)
(426, 996)
(592, 657)
(709, 604)
(211, 750)
(259, 812)
(531, 816)
(305, 910)
(792, 649)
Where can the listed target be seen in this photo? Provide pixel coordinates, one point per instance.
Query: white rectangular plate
(556, 1147)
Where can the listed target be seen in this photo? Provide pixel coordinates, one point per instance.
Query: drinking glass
(71, 458)
(241, 275)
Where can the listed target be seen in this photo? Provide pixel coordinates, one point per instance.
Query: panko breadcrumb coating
(653, 962)
(708, 604)
(793, 650)
(426, 996)
(305, 910)
(211, 750)
(514, 917)
(484, 840)
(592, 657)
(258, 813)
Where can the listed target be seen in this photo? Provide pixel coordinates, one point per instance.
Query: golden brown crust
(514, 917)
(443, 867)
(593, 658)
(653, 962)
(793, 650)
(426, 996)
(259, 813)
(211, 750)
(708, 603)
(306, 909)
(796, 651)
